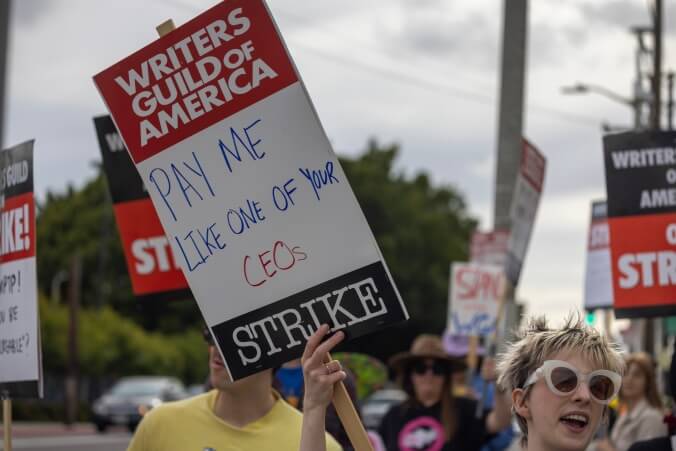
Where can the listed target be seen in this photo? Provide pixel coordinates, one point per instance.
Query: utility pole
(4, 44)
(72, 390)
(657, 66)
(670, 100)
(510, 128)
(643, 83)
(510, 116)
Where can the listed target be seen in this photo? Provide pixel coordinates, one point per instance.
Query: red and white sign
(524, 208)
(252, 199)
(154, 273)
(474, 297)
(644, 260)
(20, 348)
(640, 179)
(150, 259)
(489, 247)
(598, 287)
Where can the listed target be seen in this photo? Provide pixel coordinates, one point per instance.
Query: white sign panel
(598, 284)
(254, 202)
(20, 350)
(524, 208)
(474, 297)
(489, 247)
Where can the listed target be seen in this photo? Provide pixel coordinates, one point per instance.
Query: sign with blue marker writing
(258, 211)
(474, 298)
(20, 350)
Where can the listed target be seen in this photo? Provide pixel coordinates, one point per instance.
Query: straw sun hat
(425, 346)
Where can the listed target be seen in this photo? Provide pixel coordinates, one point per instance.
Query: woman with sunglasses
(641, 417)
(561, 381)
(433, 419)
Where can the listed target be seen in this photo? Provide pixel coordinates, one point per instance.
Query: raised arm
(320, 375)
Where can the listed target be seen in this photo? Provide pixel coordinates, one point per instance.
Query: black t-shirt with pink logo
(409, 427)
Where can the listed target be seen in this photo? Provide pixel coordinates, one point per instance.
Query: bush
(113, 346)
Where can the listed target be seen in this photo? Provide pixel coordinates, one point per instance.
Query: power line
(363, 44)
(436, 86)
(419, 82)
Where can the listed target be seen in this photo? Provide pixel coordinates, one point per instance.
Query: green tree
(81, 221)
(420, 229)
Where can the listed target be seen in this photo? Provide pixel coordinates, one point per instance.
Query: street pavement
(57, 437)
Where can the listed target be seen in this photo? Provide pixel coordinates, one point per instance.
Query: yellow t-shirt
(191, 425)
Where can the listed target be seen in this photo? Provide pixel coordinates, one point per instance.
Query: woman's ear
(520, 403)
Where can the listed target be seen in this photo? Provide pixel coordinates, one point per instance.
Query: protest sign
(255, 204)
(474, 298)
(598, 287)
(640, 177)
(151, 263)
(20, 350)
(489, 247)
(525, 203)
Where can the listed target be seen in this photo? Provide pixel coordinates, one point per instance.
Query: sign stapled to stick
(252, 198)
(152, 265)
(525, 201)
(641, 187)
(20, 348)
(598, 287)
(474, 298)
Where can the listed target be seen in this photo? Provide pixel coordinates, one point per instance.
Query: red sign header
(212, 67)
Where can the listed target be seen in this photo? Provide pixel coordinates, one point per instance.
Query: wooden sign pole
(349, 417)
(7, 421)
(341, 399)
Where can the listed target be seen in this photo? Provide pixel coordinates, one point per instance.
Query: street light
(584, 88)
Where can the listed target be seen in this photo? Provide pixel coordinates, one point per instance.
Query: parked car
(374, 408)
(195, 389)
(131, 397)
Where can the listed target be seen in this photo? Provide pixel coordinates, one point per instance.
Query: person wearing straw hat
(433, 419)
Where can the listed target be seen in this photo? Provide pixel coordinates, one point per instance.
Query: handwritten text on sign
(19, 329)
(252, 199)
(474, 297)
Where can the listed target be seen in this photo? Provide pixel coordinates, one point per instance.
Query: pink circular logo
(423, 433)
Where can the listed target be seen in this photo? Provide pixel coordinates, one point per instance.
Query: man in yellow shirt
(242, 415)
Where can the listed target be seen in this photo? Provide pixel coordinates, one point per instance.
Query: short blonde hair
(537, 342)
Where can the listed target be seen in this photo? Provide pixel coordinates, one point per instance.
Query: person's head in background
(639, 382)
(425, 374)
(561, 381)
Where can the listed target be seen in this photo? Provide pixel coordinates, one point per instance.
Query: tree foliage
(81, 221)
(110, 346)
(420, 229)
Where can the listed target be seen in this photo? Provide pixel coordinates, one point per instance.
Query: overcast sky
(422, 74)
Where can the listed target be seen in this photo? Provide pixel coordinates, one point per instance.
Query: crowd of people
(564, 388)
